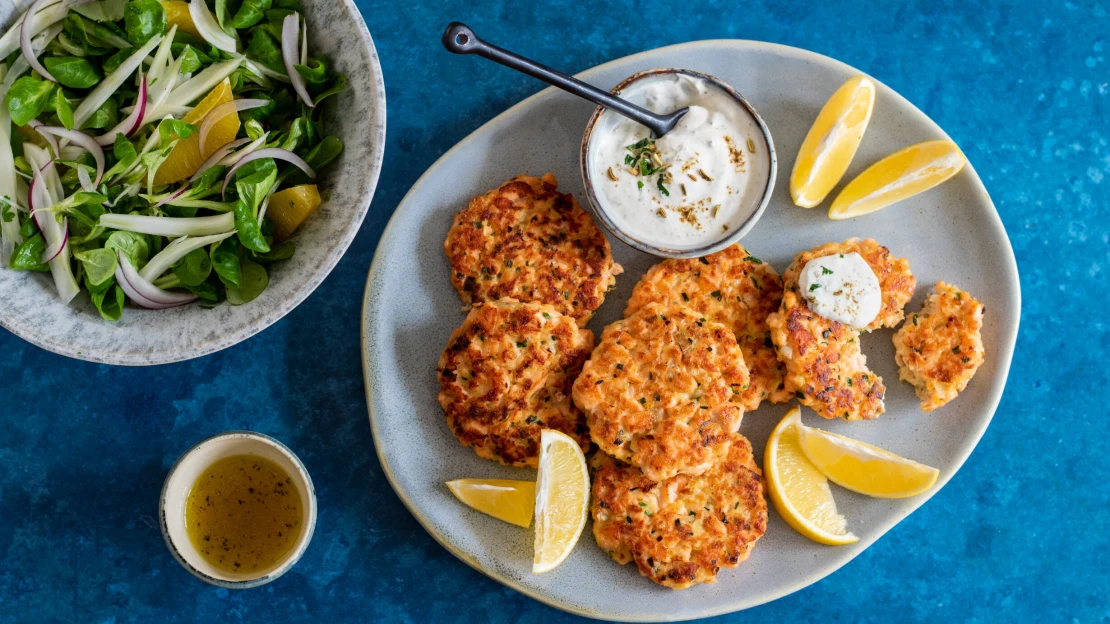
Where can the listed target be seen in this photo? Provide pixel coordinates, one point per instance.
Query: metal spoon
(460, 39)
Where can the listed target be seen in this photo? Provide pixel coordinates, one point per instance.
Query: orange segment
(187, 157)
(290, 207)
(177, 14)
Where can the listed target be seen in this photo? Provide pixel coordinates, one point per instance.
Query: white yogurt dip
(842, 288)
(693, 186)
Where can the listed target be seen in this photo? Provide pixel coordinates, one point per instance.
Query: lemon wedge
(562, 499)
(863, 468)
(903, 174)
(832, 141)
(511, 501)
(799, 491)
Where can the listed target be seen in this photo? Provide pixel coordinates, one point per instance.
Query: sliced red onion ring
(216, 157)
(50, 140)
(215, 115)
(143, 292)
(25, 38)
(85, 141)
(132, 123)
(270, 152)
(52, 251)
(208, 28)
(290, 29)
(169, 198)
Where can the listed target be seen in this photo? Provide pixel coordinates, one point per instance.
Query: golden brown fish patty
(824, 366)
(528, 241)
(939, 349)
(506, 375)
(683, 530)
(736, 289)
(657, 390)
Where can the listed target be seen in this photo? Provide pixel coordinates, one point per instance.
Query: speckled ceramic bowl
(30, 309)
(751, 213)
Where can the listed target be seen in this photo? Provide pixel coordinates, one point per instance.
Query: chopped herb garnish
(685, 297)
(752, 258)
(703, 261)
(522, 344)
(716, 294)
(813, 287)
(825, 270)
(956, 349)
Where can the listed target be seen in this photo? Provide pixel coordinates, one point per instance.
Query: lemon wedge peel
(509, 501)
(901, 175)
(562, 499)
(789, 472)
(832, 141)
(863, 468)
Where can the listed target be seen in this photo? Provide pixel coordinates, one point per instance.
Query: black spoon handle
(460, 39)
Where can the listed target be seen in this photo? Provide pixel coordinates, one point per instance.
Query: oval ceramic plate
(30, 309)
(951, 233)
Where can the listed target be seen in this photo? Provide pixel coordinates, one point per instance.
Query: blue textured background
(1019, 533)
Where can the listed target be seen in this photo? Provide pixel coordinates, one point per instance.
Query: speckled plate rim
(1008, 265)
(39, 337)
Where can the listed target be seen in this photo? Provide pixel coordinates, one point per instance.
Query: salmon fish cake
(736, 289)
(825, 368)
(506, 375)
(657, 391)
(683, 530)
(528, 241)
(939, 349)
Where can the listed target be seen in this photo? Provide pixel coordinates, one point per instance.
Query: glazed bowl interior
(30, 308)
(175, 494)
(603, 121)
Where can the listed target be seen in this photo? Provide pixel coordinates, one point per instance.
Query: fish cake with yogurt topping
(736, 289)
(506, 375)
(683, 530)
(825, 368)
(939, 349)
(657, 390)
(528, 241)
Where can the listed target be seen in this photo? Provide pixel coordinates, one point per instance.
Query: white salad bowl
(30, 309)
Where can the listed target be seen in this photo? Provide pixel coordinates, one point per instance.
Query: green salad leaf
(225, 261)
(73, 71)
(143, 19)
(253, 281)
(100, 264)
(27, 255)
(134, 247)
(194, 268)
(28, 98)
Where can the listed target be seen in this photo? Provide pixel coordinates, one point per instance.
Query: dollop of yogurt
(842, 288)
(694, 185)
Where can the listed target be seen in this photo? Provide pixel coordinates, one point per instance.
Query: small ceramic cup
(727, 239)
(184, 474)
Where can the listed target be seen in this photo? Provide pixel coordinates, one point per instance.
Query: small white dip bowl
(749, 213)
(184, 474)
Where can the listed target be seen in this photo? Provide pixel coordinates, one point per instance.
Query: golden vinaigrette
(244, 514)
